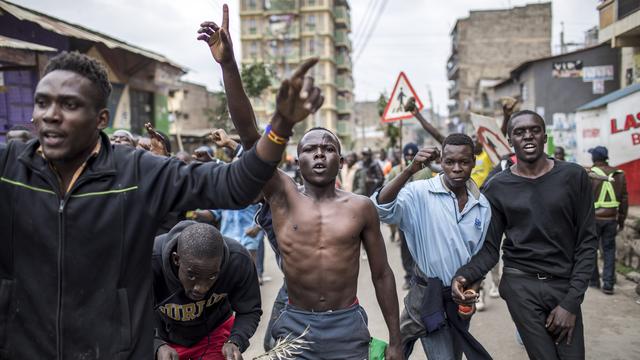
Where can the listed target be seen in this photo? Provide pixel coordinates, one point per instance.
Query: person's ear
(175, 258)
(509, 141)
(103, 119)
(545, 137)
(341, 162)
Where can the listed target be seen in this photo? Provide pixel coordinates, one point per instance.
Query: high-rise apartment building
(283, 33)
(486, 46)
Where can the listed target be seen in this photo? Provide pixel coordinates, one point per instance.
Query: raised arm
(383, 279)
(420, 161)
(218, 39)
(411, 107)
(296, 99)
(508, 107)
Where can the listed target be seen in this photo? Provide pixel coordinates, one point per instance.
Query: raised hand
(509, 105)
(157, 141)
(218, 38)
(410, 106)
(222, 139)
(298, 97)
(423, 158)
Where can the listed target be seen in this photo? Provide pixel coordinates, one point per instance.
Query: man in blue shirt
(445, 220)
(239, 225)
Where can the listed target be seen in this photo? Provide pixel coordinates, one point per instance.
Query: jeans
(606, 230)
(260, 256)
(441, 345)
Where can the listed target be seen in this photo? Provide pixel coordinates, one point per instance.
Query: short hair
(86, 66)
(320, 128)
(458, 139)
(524, 112)
(19, 128)
(200, 240)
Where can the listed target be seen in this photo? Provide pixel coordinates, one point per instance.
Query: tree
(256, 78)
(391, 131)
(218, 115)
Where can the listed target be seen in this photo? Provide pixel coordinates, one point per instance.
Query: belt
(539, 276)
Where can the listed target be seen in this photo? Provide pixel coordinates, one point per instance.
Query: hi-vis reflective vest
(606, 190)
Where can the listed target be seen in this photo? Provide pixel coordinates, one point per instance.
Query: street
(612, 323)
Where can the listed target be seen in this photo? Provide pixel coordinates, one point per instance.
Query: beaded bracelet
(275, 138)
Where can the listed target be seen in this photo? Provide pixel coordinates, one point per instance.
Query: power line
(371, 31)
(365, 21)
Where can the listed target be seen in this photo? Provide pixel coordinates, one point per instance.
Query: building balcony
(454, 91)
(342, 16)
(343, 105)
(619, 23)
(343, 61)
(282, 31)
(341, 39)
(452, 67)
(305, 5)
(344, 83)
(343, 128)
(283, 7)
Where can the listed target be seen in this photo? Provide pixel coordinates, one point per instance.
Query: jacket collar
(102, 164)
(439, 186)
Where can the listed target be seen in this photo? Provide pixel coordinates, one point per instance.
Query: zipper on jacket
(60, 256)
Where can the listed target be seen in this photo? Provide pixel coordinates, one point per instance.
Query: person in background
(348, 172)
(123, 137)
(612, 204)
(369, 176)
(559, 153)
(19, 133)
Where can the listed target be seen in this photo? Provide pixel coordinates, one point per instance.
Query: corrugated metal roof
(7, 42)
(76, 31)
(603, 101)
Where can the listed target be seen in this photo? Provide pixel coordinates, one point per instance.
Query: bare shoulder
(359, 203)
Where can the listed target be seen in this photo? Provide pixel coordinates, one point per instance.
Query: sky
(409, 35)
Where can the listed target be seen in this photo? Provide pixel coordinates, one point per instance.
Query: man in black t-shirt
(545, 209)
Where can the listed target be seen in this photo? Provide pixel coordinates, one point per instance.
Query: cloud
(410, 36)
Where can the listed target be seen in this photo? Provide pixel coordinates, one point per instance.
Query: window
(312, 46)
(311, 22)
(251, 4)
(252, 26)
(253, 49)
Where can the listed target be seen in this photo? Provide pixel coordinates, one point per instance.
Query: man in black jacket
(200, 279)
(545, 209)
(75, 275)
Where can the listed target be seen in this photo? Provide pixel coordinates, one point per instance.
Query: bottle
(465, 311)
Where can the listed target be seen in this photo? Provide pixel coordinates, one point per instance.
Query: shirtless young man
(319, 230)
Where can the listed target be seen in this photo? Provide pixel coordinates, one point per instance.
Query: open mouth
(52, 138)
(319, 168)
(529, 148)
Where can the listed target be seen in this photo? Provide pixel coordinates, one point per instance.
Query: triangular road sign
(402, 91)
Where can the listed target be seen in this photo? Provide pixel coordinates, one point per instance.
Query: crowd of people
(129, 251)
